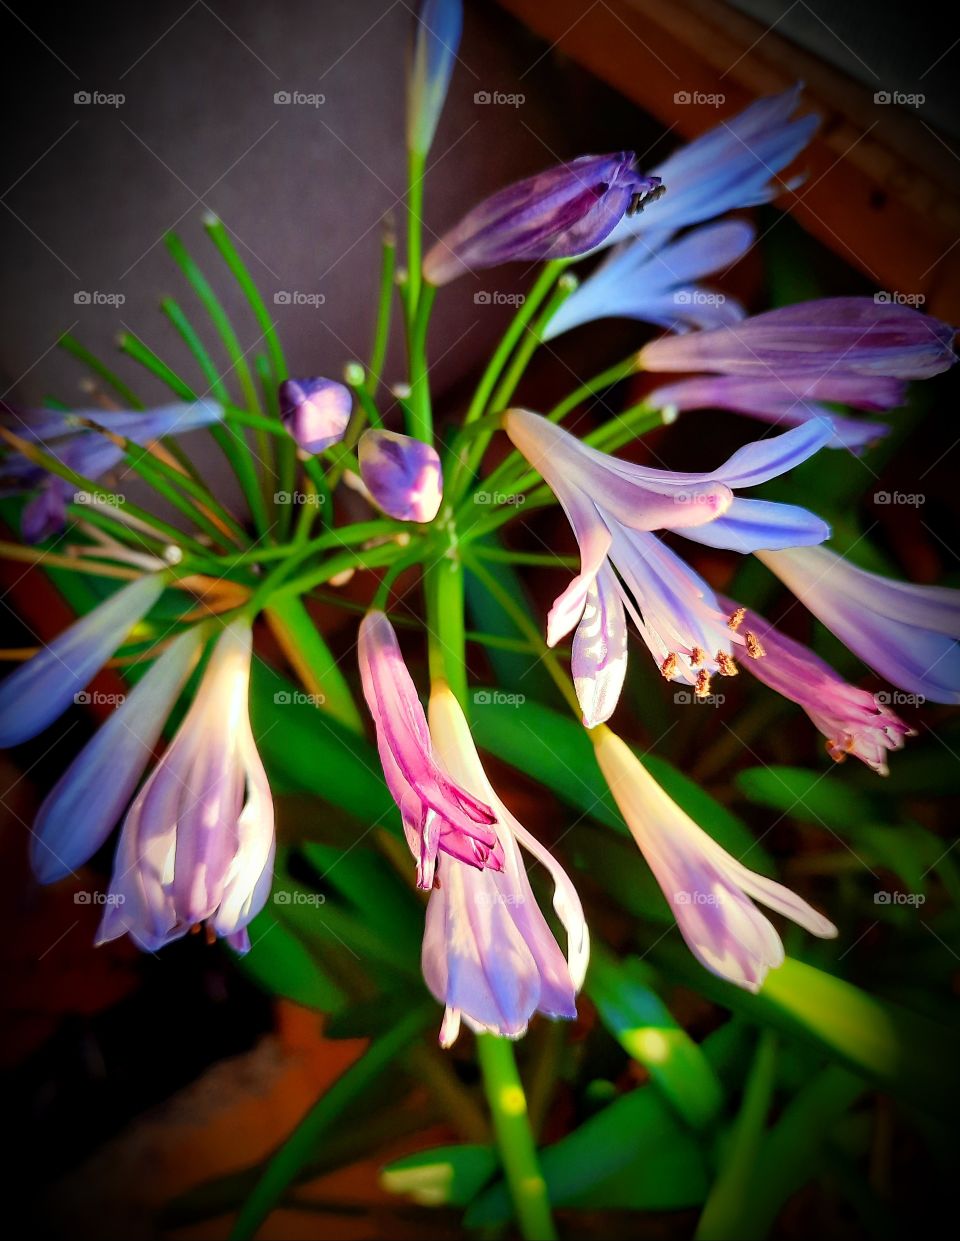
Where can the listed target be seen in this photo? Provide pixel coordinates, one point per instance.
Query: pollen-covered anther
(726, 664)
(754, 646)
(702, 687)
(697, 656)
(669, 666)
(736, 620)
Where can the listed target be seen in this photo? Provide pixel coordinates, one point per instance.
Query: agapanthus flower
(439, 24)
(788, 400)
(69, 436)
(710, 893)
(559, 213)
(907, 634)
(658, 285)
(612, 506)
(315, 412)
(402, 474)
(731, 166)
(853, 720)
(197, 843)
(40, 690)
(836, 336)
(84, 806)
(438, 814)
(488, 954)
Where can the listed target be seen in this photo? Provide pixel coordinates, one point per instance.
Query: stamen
(727, 664)
(736, 620)
(669, 666)
(697, 656)
(754, 646)
(702, 687)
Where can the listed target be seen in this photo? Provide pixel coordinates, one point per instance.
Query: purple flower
(559, 213)
(789, 400)
(711, 894)
(729, 167)
(655, 285)
(437, 813)
(611, 505)
(488, 954)
(40, 690)
(66, 436)
(86, 803)
(402, 475)
(853, 720)
(907, 634)
(197, 843)
(315, 412)
(837, 336)
(435, 43)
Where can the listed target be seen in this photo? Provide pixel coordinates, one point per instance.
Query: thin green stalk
(421, 416)
(532, 337)
(93, 363)
(381, 335)
(416, 165)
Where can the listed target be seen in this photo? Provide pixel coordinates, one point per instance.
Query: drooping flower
(837, 336)
(731, 166)
(197, 843)
(438, 814)
(439, 24)
(71, 436)
(710, 893)
(315, 412)
(488, 954)
(612, 506)
(41, 689)
(853, 720)
(86, 803)
(559, 213)
(657, 285)
(907, 634)
(402, 474)
(788, 400)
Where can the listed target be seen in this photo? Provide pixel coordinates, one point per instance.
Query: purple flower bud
(435, 43)
(315, 411)
(559, 213)
(39, 691)
(402, 475)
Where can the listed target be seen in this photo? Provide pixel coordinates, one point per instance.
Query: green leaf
(634, 1155)
(810, 796)
(643, 1025)
(446, 1176)
(314, 661)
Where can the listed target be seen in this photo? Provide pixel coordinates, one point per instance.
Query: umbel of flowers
(184, 781)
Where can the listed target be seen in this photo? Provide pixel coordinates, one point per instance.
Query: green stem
(416, 163)
(511, 1124)
(421, 415)
(532, 337)
(381, 335)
